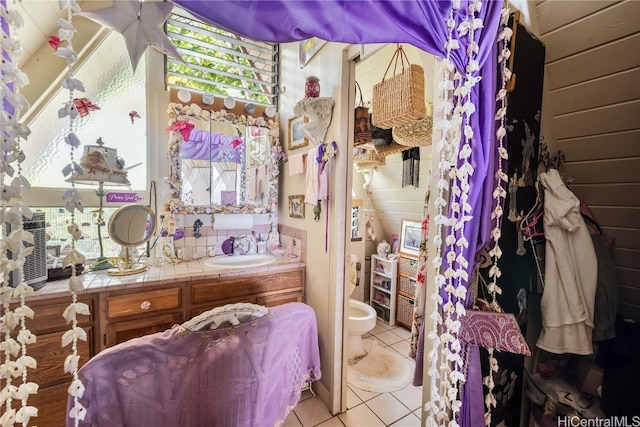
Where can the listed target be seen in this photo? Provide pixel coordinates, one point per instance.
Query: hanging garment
(411, 167)
(606, 305)
(571, 271)
(251, 374)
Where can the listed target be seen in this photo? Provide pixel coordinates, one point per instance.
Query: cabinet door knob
(145, 305)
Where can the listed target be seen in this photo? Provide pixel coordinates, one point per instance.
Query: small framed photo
(410, 237)
(296, 206)
(296, 137)
(308, 48)
(395, 243)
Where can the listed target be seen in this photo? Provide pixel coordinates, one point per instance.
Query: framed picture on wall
(296, 206)
(410, 237)
(308, 48)
(296, 137)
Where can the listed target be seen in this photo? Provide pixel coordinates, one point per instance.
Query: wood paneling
(603, 171)
(614, 88)
(617, 216)
(608, 194)
(628, 258)
(619, 55)
(612, 118)
(626, 238)
(557, 13)
(617, 21)
(604, 146)
(628, 277)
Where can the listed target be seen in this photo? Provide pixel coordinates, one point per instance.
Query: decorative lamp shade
(102, 164)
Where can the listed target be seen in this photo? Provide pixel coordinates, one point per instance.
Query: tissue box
(589, 376)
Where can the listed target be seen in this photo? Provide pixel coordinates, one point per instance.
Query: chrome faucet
(240, 245)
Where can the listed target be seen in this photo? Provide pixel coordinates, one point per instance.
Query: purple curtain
(419, 23)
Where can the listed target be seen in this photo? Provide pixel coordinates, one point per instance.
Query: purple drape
(420, 23)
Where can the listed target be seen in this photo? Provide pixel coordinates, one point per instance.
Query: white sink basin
(240, 261)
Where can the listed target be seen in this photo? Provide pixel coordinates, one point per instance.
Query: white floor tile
(352, 399)
(312, 412)
(410, 396)
(292, 421)
(363, 394)
(388, 337)
(402, 348)
(402, 332)
(388, 408)
(333, 422)
(409, 421)
(360, 416)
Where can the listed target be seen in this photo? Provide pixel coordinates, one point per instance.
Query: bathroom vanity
(125, 307)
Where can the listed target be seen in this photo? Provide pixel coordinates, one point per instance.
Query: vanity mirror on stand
(131, 226)
(222, 162)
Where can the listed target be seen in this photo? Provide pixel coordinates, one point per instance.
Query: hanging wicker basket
(417, 133)
(399, 99)
(364, 159)
(389, 149)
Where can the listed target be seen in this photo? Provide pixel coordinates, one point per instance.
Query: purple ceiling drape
(419, 23)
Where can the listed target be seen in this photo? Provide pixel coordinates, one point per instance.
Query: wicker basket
(399, 99)
(404, 311)
(389, 149)
(364, 159)
(407, 285)
(414, 134)
(408, 266)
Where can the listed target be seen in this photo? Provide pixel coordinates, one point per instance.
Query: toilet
(362, 317)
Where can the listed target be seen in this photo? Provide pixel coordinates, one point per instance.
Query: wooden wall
(593, 77)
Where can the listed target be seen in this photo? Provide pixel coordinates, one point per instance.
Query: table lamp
(101, 165)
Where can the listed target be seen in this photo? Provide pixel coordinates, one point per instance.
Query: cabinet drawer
(48, 315)
(240, 288)
(279, 299)
(407, 285)
(143, 302)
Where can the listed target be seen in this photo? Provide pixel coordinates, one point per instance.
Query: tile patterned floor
(366, 409)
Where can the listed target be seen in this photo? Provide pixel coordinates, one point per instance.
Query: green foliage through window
(222, 63)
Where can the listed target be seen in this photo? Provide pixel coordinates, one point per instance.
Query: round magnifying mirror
(131, 226)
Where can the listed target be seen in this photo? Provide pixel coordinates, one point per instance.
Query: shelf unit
(407, 270)
(384, 280)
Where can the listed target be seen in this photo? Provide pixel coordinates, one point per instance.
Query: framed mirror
(222, 162)
(131, 226)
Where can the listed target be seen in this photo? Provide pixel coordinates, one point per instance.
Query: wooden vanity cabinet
(134, 313)
(269, 289)
(49, 326)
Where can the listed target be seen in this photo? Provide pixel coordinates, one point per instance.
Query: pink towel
(296, 164)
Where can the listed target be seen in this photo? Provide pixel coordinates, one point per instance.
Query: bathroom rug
(381, 370)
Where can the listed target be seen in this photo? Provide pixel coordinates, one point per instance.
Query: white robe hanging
(571, 271)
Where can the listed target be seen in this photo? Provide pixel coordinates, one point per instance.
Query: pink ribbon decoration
(84, 105)
(54, 42)
(184, 127)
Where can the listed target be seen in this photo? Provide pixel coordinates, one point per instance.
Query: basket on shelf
(408, 266)
(406, 285)
(404, 312)
(399, 99)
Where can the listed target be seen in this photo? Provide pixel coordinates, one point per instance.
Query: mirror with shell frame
(222, 162)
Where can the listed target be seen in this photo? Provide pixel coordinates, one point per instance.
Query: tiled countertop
(100, 281)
